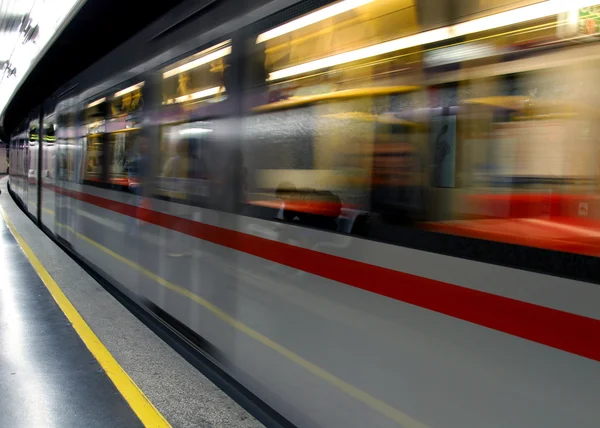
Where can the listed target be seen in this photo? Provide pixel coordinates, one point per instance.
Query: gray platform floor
(184, 396)
(47, 374)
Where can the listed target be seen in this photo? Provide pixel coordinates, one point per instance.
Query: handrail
(335, 95)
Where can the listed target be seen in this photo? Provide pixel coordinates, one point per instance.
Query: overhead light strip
(363, 53)
(311, 18)
(128, 90)
(198, 62)
(511, 17)
(195, 131)
(196, 95)
(95, 103)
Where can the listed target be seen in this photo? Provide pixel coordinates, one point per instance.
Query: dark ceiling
(98, 28)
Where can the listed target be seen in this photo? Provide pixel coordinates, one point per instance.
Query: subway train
(378, 213)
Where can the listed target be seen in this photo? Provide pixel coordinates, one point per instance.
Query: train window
(337, 50)
(338, 107)
(48, 149)
(49, 135)
(528, 157)
(122, 148)
(364, 129)
(66, 153)
(123, 135)
(127, 101)
(31, 163)
(94, 118)
(199, 78)
(535, 136)
(325, 164)
(94, 114)
(94, 157)
(34, 131)
(184, 168)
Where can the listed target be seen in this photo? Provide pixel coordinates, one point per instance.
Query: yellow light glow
(336, 95)
(363, 53)
(311, 18)
(195, 131)
(129, 89)
(200, 61)
(511, 17)
(196, 95)
(95, 103)
(514, 16)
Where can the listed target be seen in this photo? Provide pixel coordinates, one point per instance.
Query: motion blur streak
(371, 203)
(394, 414)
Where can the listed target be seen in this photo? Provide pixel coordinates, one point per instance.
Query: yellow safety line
(354, 392)
(143, 408)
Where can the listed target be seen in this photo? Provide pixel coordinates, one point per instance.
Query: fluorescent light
(514, 16)
(311, 18)
(95, 103)
(198, 62)
(52, 18)
(194, 131)
(511, 17)
(367, 52)
(128, 90)
(196, 95)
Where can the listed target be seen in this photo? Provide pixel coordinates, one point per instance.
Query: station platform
(43, 358)
(71, 355)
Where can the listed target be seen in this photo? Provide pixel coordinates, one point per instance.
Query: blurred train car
(378, 212)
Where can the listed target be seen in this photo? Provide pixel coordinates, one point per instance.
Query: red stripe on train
(562, 330)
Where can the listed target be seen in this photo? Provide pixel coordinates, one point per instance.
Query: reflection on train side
(358, 123)
(324, 131)
(183, 174)
(375, 140)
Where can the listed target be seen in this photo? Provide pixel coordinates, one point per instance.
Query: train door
(65, 171)
(92, 140)
(14, 164)
(3, 157)
(19, 170)
(32, 167)
(48, 172)
(25, 169)
(60, 199)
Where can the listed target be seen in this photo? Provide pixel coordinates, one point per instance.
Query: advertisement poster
(589, 20)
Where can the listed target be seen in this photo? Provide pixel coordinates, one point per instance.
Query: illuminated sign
(589, 20)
